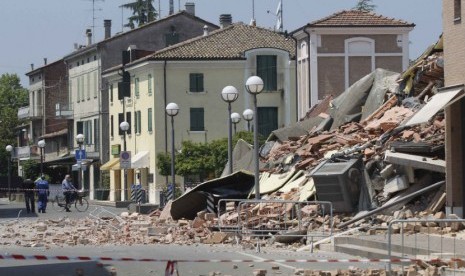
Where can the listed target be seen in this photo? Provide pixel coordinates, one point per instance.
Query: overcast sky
(37, 29)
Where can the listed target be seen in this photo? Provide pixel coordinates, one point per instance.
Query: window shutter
(149, 119)
(128, 119)
(197, 119)
(120, 120)
(111, 126)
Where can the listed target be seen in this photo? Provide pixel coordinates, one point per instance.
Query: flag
(279, 11)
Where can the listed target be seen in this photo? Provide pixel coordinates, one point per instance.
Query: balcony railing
(23, 112)
(64, 110)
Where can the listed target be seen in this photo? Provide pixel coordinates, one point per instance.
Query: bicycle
(78, 199)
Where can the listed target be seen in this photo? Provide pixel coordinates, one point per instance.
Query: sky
(36, 29)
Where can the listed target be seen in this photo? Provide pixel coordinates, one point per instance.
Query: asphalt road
(188, 256)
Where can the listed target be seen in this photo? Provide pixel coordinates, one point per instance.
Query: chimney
(107, 27)
(225, 20)
(45, 61)
(89, 36)
(32, 66)
(205, 30)
(190, 8)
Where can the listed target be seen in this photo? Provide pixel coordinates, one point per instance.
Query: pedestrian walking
(68, 190)
(43, 192)
(29, 192)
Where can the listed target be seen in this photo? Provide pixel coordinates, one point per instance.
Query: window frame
(149, 120)
(149, 84)
(136, 88)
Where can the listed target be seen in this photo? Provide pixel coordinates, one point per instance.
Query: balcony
(27, 113)
(23, 113)
(64, 111)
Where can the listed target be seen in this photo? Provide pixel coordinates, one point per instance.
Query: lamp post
(248, 116)
(9, 148)
(229, 95)
(80, 141)
(235, 118)
(41, 145)
(124, 126)
(254, 86)
(172, 109)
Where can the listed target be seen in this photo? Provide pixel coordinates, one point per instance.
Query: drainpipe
(164, 105)
(308, 66)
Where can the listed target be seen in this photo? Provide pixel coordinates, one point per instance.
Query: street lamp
(248, 116)
(124, 126)
(172, 109)
(229, 95)
(235, 118)
(80, 141)
(9, 148)
(254, 86)
(41, 145)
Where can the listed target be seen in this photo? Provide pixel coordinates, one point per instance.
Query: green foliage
(164, 163)
(12, 96)
(142, 12)
(31, 169)
(365, 5)
(203, 159)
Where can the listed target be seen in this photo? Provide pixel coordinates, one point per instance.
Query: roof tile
(358, 18)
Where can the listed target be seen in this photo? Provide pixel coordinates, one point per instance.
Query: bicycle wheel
(58, 204)
(81, 204)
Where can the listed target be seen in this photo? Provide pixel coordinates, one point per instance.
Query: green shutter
(267, 70)
(120, 120)
(128, 119)
(136, 84)
(196, 82)
(149, 121)
(149, 84)
(139, 122)
(197, 119)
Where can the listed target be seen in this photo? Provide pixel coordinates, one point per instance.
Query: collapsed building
(374, 145)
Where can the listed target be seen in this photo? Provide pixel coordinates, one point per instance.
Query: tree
(12, 97)
(204, 159)
(365, 5)
(142, 12)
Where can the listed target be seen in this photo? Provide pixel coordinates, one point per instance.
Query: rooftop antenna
(253, 22)
(93, 14)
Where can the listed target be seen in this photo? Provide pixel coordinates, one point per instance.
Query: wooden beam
(415, 161)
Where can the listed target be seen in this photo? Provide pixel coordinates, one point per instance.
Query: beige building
(193, 74)
(454, 74)
(336, 51)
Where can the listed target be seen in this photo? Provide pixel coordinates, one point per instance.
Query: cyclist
(69, 191)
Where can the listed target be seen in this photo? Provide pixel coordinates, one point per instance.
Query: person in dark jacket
(43, 193)
(29, 192)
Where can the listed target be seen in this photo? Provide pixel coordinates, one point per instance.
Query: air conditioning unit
(339, 183)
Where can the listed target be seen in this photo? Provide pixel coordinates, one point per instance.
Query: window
(149, 119)
(137, 121)
(95, 84)
(197, 119)
(111, 93)
(78, 89)
(79, 128)
(128, 119)
(111, 126)
(96, 134)
(88, 132)
(88, 86)
(267, 120)
(267, 70)
(457, 10)
(120, 120)
(136, 87)
(149, 84)
(196, 82)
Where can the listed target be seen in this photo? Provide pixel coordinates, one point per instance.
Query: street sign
(80, 154)
(125, 160)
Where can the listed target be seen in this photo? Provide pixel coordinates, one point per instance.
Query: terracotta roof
(354, 18)
(228, 43)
